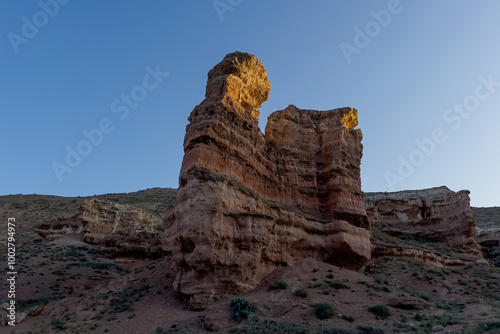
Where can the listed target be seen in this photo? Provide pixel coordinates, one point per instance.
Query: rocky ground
(68, 286)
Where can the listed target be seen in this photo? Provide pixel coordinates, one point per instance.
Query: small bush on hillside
(369, 330)
(301, 293)
(349, 318)
(338, 284)
(323, 311)
(273, 326)
(380, 311)
(240, 308)
(27, 303)
(278, 286)
(488, 327)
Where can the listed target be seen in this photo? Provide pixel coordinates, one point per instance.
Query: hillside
(85, 290)
(30, 209)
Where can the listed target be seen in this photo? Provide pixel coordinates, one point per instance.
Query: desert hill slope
(78, 288)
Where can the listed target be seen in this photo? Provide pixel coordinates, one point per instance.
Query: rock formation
(431, 258)
(249, 203)
(488, 229)
(121, 229)
(438, 214)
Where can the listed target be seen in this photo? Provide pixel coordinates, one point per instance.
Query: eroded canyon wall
(117, 228)
(437, 213)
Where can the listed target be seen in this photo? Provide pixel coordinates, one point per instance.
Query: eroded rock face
(249, 203)
(437, 213)
(121, 229)
(488, 229)
(434, 259)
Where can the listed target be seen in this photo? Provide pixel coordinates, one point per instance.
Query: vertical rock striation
(249, 203)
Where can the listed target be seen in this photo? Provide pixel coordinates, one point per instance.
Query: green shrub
(349, 318)
(159, 330)
(428, 321)
(301, 293)
(27, 303)
(278, 286)
(448, 319)
(380, 311)
(428, 296)
(240, 308)
(272, 326)
(337, 284)
(369, 330)
(450, 305)
(323, 311)
(486, 327)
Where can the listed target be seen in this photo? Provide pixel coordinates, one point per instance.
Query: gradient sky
(424, 76)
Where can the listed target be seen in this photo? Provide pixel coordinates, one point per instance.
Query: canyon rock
(249, 203)
(488, 229)
(438, 214)
(118, 228)
(431, 258)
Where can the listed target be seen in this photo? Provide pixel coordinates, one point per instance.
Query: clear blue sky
(422, 71)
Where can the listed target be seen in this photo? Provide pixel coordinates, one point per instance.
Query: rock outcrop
(488, 229)
(431, 258)
(438, 214)
(19, 316)
(120, 229)
(249, 203)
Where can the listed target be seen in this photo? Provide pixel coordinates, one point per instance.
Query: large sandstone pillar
(249, 203)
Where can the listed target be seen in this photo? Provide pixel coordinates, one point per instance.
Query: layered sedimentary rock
(432, 258)
(121, 229)
(248, 202)
(488, 228)
(438, 214)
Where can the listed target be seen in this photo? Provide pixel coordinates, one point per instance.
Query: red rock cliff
(248, 202)
(118, 228)
(437, 213)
